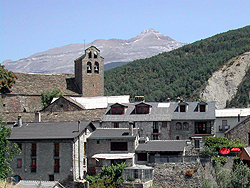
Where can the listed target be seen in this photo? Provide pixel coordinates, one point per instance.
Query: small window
(202, 108)
(96, 68)
(117, 110)
(119, 146)
(33, 165)
(142, 109)
(155, 127)
(116, 124)
(89, 67)
(185, 126)
(182, 108)
(57, 166)
(95, 54)
(142, 156)
(90, 55)
(178, 126)
(33, 150)
(177, 137)
(19, 163)
(155, 137)
(51, 178)
(98, 142)
(56, 149)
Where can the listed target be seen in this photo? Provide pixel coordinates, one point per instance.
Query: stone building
(164, 121)
(25, 95)
(241, 131)
(51, 151)
(110, 146)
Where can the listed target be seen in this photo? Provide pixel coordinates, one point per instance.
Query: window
(90, 55)
(202, 128)
(185, 126)
(155, 137)
(89, 67)
(116, 124)
(119, 146)
(56, 166)
(202, 108)
(95, 54)
(98, 142)
(155, 127)
(178, 126)
(19, 163)
(96, 68)
(51, 178)
(182, 108)
(56, 149)
(20, 146)
(197, 143)
(117, 110)
(177, 137)
(33, 165)
(33, 150)
(142, 109)
(142, 156)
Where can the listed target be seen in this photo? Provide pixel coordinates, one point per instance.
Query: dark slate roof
(48, 130)
(192, 112)
(88, 115)
(163, 112)
(111, 133)
(34, 84)
(162, 145)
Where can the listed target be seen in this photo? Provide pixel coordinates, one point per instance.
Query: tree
(47, 97)
(7, 151)
(7, 79)
(111, 176)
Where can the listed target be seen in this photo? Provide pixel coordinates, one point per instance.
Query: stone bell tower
(89, 73)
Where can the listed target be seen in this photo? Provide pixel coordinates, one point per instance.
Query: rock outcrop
(222, 86)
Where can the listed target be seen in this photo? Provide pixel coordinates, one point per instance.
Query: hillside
(61, 60)
(183, 72)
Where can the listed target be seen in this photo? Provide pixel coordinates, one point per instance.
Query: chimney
(168, 99)
(19, 121)
(139, 99)
(37, 117)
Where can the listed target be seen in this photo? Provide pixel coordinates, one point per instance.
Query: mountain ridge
(61, 59)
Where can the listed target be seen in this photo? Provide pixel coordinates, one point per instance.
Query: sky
(31, 26)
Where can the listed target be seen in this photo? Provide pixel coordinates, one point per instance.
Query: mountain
(212, 69)
(61, 60)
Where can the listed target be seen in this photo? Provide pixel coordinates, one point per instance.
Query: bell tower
(89, 73)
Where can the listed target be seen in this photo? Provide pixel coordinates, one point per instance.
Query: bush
(221, 160)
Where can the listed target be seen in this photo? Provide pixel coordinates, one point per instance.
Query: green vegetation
(111, 176)
(47, 97)
(7, 151)
(214, 144)
(7, 79)
(182, 72)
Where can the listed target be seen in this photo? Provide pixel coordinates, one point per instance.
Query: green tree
(7, 151)
(47, 96)
(111, 176)
(240, 175)
(7, 79)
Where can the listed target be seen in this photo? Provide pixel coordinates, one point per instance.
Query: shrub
(221, 160)
(189, 172)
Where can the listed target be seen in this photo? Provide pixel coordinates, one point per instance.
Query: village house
(51, 150)
(164, 121)
(108, 146)
(228, 118)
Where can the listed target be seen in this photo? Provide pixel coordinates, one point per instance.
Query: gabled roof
(44, 184)
(118, 104)
(48, 130)
(142, 104)
(162, 146)
(163, 112)
(35, 84)
(111, 133)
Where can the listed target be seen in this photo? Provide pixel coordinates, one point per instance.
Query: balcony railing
(224, 128)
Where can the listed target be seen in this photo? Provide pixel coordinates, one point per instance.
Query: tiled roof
(163, 112)
(162, 145)
(48, 130)
(106, 133)
(34, 84)
(89, 115)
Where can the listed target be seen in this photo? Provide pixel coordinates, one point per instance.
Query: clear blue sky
(31, 26)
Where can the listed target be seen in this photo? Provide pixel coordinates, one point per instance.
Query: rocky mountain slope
(61, 60)
(223, 84)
